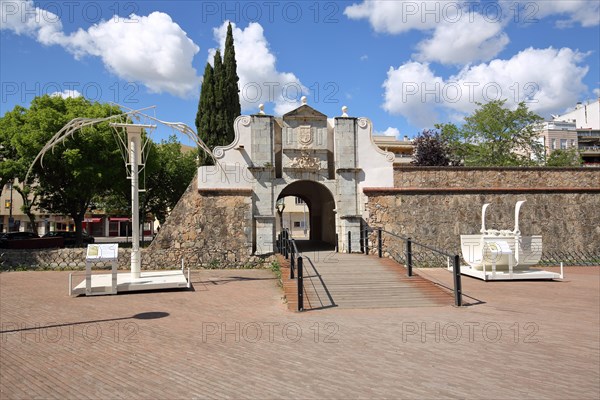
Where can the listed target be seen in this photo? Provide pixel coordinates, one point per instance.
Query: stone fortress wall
(434, 205)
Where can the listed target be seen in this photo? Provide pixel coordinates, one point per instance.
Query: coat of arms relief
(305, 139)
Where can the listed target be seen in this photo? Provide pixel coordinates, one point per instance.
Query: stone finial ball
(303, 99)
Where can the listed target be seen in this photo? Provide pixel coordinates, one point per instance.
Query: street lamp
(280, 205)
(11, 221)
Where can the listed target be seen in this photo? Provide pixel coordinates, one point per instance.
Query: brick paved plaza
(233, 337)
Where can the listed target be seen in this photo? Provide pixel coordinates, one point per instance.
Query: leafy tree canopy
(430, 150)
(564, 158)
(219, 103)
(495, 135)
(76, 169)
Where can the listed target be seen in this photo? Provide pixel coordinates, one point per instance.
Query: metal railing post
(300, 285)
(349, 242)
(457, 281)
(286, 243)
(379, 243)
(292, 267)
(409, 257)
(337, 243)
(279, 243)
(366, 241)
(361, 240)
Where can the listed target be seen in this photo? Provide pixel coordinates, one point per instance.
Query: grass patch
(276, 268)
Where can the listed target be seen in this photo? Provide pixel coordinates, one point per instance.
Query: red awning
(119, 219)
(92, 220)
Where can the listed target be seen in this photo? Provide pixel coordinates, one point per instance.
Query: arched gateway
(326, 162)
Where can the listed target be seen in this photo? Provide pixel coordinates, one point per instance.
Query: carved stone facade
(324, 161)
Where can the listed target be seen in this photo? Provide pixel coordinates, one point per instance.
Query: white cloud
(456, 43)
(150, 49)
(460, 34)
(583, 12)
(404, 95)
(260, 81)
(396, 16)
(364, 57)
(389, 132)
(65, 94)
(597, 92)
(548, 80)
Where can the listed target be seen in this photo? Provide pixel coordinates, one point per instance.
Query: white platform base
(149, 280)
(506, 276)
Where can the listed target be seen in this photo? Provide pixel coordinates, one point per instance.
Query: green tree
(166, 184)
(78, 169)
(430, 150)
(220, 108)
(166, 174)
(219, 103)
(458, 148)
(230, 86)
(16, 155)
(564, 158)
(207, 113)
(502, 137)
(495, 135)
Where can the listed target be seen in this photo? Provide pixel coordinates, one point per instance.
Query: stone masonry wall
(205, 229)
(209, 229)
(436, 205)
(470, 177)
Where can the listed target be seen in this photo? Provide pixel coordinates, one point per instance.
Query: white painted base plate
(149, 280)
(505, 276)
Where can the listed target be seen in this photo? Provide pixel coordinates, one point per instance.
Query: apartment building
(582, 124)
(402, 149)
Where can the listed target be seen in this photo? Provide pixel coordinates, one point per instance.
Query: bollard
(457, 282)
(349, 242)
(409, 257)
(300, 285)
(379, 244)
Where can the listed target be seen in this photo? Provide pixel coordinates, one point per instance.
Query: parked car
(70, 238)
(6, 236)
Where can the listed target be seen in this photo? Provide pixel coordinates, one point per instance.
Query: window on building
(299, 200)
(553, 144)
(563, 144)
(298, 224)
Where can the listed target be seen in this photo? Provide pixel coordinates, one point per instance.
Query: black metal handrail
(409, 256)
(286, 245)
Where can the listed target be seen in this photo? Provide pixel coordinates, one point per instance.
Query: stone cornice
(478, 190)
(226, 191)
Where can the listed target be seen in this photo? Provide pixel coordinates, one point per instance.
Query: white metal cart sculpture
(503, 254)
(133, 149)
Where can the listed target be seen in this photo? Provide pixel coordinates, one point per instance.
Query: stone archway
(321, 205)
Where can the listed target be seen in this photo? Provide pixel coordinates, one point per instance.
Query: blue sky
(404, 64)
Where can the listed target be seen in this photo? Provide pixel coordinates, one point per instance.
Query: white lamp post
(134, 152)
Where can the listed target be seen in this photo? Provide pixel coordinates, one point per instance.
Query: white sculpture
(501, 250)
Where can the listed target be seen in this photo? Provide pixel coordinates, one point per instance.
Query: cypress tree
(230, 86)
(205, 117)
(219, 103)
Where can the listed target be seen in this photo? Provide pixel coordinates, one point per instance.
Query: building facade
(326, 162)
(581, 125)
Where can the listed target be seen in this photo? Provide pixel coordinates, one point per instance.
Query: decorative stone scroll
(306, 162)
